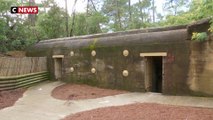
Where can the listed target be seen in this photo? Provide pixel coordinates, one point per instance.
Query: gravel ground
(144, 111)
(8, 98)
(76, 92)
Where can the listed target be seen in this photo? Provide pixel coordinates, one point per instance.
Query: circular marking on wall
(72, 53)
(125, 73)
(125, 53)
(93, 53)
(72, 69)
(93, 70)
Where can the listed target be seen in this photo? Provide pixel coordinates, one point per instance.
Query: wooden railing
(27, 80)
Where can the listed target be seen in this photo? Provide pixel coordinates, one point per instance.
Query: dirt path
(145, 111)
(77, 92)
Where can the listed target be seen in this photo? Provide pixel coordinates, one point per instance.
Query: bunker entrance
(155, 75)
(153, 71)
(58, 66)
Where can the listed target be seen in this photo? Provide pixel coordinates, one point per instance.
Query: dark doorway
(58, 68)
(154, 74)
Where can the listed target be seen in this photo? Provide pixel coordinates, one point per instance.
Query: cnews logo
(24, 10)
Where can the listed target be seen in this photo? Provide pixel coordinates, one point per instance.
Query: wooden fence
(21, 66)
(22, 72)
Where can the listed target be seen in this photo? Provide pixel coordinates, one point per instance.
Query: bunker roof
(139, 36)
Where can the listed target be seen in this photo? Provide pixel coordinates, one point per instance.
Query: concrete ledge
(58, 56)
(153, 54)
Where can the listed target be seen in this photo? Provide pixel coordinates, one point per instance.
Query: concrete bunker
(163, 60)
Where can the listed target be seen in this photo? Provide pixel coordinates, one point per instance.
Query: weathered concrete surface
(200, 78)
(37, 104)
(110, 62)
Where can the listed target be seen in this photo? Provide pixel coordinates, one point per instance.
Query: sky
(81, 5)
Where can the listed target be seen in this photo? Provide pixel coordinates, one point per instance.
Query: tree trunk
(67, 19)
(153, 11)
(130, 12)
(31, 17)
(141, 13)
(73, 19)
(99, 27)
(93, 6)
(118, 16)
(73, 24)
(87, 15)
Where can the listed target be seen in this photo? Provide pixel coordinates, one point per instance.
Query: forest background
(17, 32)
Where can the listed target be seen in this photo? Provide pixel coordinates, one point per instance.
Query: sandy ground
(76, 92)
(8, 98)
(144, 111)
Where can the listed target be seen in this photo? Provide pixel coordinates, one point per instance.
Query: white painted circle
(93, 70)
(71, 69)
(72, 53)
(93, 53)
(125, 73)
(125, 53)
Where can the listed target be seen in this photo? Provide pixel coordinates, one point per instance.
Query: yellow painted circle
(93, 70)
(72, 53)
(125, 53)
(93, 53)
(71, 69)
(125, 73)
